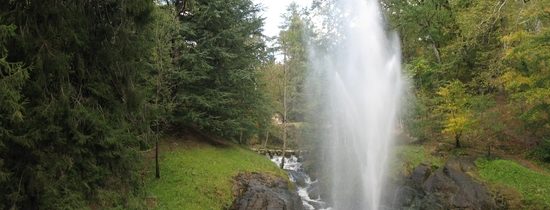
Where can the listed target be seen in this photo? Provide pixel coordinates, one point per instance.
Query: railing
(272, 152)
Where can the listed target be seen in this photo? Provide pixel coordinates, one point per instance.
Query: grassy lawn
(532, 185)
(410, 156)
(200, 178)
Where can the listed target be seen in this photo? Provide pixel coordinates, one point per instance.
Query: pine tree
(292, 43)
(12, 78)
(218, 88)
(160, 80)
(77, 130)
(293, 47)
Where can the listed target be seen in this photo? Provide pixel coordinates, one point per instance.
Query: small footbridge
(279, 152)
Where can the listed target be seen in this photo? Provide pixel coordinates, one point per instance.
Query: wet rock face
(420, 174)
(314, 191)
(298, 178)
(255, 191)
(449, 187)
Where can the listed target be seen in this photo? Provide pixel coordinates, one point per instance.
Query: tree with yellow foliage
(455, 108)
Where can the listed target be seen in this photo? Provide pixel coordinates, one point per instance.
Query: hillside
(199, 174)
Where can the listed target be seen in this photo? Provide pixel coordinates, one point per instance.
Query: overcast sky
(273, 9)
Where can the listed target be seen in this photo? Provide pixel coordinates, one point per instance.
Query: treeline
(479, 71)
(86, 85)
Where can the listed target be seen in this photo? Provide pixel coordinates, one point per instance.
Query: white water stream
(296, 172)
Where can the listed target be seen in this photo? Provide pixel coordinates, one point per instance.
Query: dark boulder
(420, 174)
(406, 196)
(449, 187)
(470, 194)
(439, 181)
(256, 191)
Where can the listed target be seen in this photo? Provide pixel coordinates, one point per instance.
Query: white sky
(272, 11)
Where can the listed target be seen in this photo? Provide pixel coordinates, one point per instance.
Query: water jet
(362, 89)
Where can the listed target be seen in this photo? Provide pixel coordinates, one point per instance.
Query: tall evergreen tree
(292, 44)
(75, 133)
(217, 88)
(160, 80)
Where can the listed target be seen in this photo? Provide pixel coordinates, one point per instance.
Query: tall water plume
(362, 87)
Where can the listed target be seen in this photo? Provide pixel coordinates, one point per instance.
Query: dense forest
(478, 70)
(88, 87)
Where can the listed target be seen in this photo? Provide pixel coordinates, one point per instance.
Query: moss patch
(533, 186)
(200, 178)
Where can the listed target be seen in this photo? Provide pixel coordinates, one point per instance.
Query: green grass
(411, 156)
(533, 186)
(200, 178)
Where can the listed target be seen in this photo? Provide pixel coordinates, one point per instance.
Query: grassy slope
(411, 156)
(200, 177)
(532, 185)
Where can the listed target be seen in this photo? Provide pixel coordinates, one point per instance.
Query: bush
(542, 151)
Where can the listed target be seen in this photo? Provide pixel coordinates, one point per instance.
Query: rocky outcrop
(256, 191)
(449, 187)
(298, 178)
(314, 191)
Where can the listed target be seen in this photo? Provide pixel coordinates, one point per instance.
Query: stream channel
(307, 189)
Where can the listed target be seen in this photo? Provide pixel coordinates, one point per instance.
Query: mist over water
(363, 88)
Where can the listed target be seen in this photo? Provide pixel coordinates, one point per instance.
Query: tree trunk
(436, 51)
(157, 98)
(241, 138)
(180, 7)
(457, 140)
(157, 167)
(266, 138)
(284, 107)
(284, 145)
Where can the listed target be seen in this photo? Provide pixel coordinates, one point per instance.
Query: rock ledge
(449, 187)
(257, 191)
